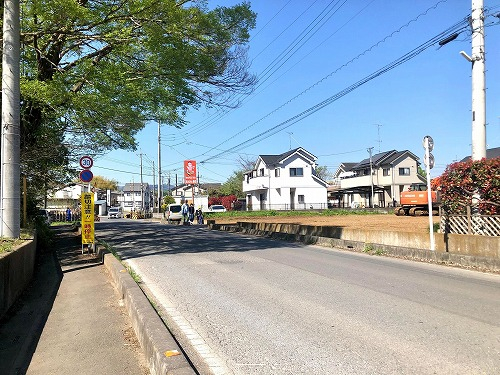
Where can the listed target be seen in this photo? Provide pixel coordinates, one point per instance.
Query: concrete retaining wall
(481, 252)
(16, 271)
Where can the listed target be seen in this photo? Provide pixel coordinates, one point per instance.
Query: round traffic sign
(86, 175)
(86, 162)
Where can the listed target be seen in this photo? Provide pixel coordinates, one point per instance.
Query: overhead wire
(458, 27)
(371, 48)
(292, 48)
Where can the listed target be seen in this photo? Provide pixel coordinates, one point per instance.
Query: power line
(331, 73)
(457, 28)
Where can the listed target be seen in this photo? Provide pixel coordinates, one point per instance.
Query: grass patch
(134, 275)
(368, 248)
(275, 213)
(9, 244)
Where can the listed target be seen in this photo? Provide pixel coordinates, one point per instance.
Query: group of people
(189, 213)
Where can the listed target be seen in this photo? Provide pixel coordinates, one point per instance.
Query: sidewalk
(70, 320)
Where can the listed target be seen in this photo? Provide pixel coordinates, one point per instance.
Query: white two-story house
(285, 182)
(376, 182)
(136, 197)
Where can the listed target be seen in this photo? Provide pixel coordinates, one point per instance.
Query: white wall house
(387, 174)
(285, 182)
(70, 195)
(135, 197)
(185, 193)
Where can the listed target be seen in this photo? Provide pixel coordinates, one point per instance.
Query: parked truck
(414, 202)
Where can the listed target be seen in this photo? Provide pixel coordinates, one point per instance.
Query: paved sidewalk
(70, 320)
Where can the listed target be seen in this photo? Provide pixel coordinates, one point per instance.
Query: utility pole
(142, 187)
(371, 174)
(160, 182)
(153, 188)
(478, 82)
(10, 142)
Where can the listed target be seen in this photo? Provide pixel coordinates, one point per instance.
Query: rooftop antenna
(290, 137)
(379, 141)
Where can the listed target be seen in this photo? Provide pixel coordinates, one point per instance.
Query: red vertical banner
(190, 172)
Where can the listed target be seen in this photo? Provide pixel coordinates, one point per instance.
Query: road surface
(250, 305)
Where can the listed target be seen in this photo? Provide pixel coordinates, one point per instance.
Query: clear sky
(310, 57)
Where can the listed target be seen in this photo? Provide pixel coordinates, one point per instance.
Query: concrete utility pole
(371, 175)
(159, 168)
(10, 142)
(478, 82)
(142, 187)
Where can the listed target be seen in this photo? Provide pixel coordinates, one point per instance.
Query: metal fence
(288, 207)
(60, 215)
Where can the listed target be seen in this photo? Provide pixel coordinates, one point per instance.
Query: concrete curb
(154, 337)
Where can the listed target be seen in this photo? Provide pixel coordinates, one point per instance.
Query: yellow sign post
(87, 218)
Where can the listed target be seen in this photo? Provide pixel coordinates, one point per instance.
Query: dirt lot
(385, 222)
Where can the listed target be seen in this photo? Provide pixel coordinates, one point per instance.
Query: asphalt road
(249, 305)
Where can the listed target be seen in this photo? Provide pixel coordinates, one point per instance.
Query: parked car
(217, 208)
(115, 212)
(174, 212)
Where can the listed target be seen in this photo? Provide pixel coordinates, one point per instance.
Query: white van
(115, 212)
(174, 213)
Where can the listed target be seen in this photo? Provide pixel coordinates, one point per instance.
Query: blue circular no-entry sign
(86, 175)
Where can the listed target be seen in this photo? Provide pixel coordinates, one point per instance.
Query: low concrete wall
(148, 326)
(16, 271)
(481, 252)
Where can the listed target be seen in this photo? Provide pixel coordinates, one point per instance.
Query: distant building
(136, 197)
(387, 174)
(491, 153)
(286, 181)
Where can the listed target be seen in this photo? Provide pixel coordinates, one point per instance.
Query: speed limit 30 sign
(86, 162)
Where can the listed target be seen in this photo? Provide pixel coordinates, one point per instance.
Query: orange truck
(414, 202)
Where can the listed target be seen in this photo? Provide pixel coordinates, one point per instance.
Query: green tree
(104, 183)
(323, 173)
(94, 71)
(167, 199)
(233, 185)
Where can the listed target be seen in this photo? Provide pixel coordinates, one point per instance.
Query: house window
(261, 172)
(404, 171)
(385, 172)
(366, 172)
(296, 172)
(277, 172)
(301, 198)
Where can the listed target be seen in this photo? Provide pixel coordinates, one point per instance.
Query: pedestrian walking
(68, 214)
(185, 213)
(191, 213)
(199, 215)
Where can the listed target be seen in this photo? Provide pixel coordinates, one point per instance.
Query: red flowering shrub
(460, 180)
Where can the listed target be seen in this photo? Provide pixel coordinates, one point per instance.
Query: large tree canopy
(94, 71)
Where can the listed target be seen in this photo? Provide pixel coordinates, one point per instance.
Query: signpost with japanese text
(87, 218)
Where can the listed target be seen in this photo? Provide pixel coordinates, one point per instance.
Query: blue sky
(429, 94)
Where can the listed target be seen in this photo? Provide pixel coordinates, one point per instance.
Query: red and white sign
(190, 172)
(86, 162)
